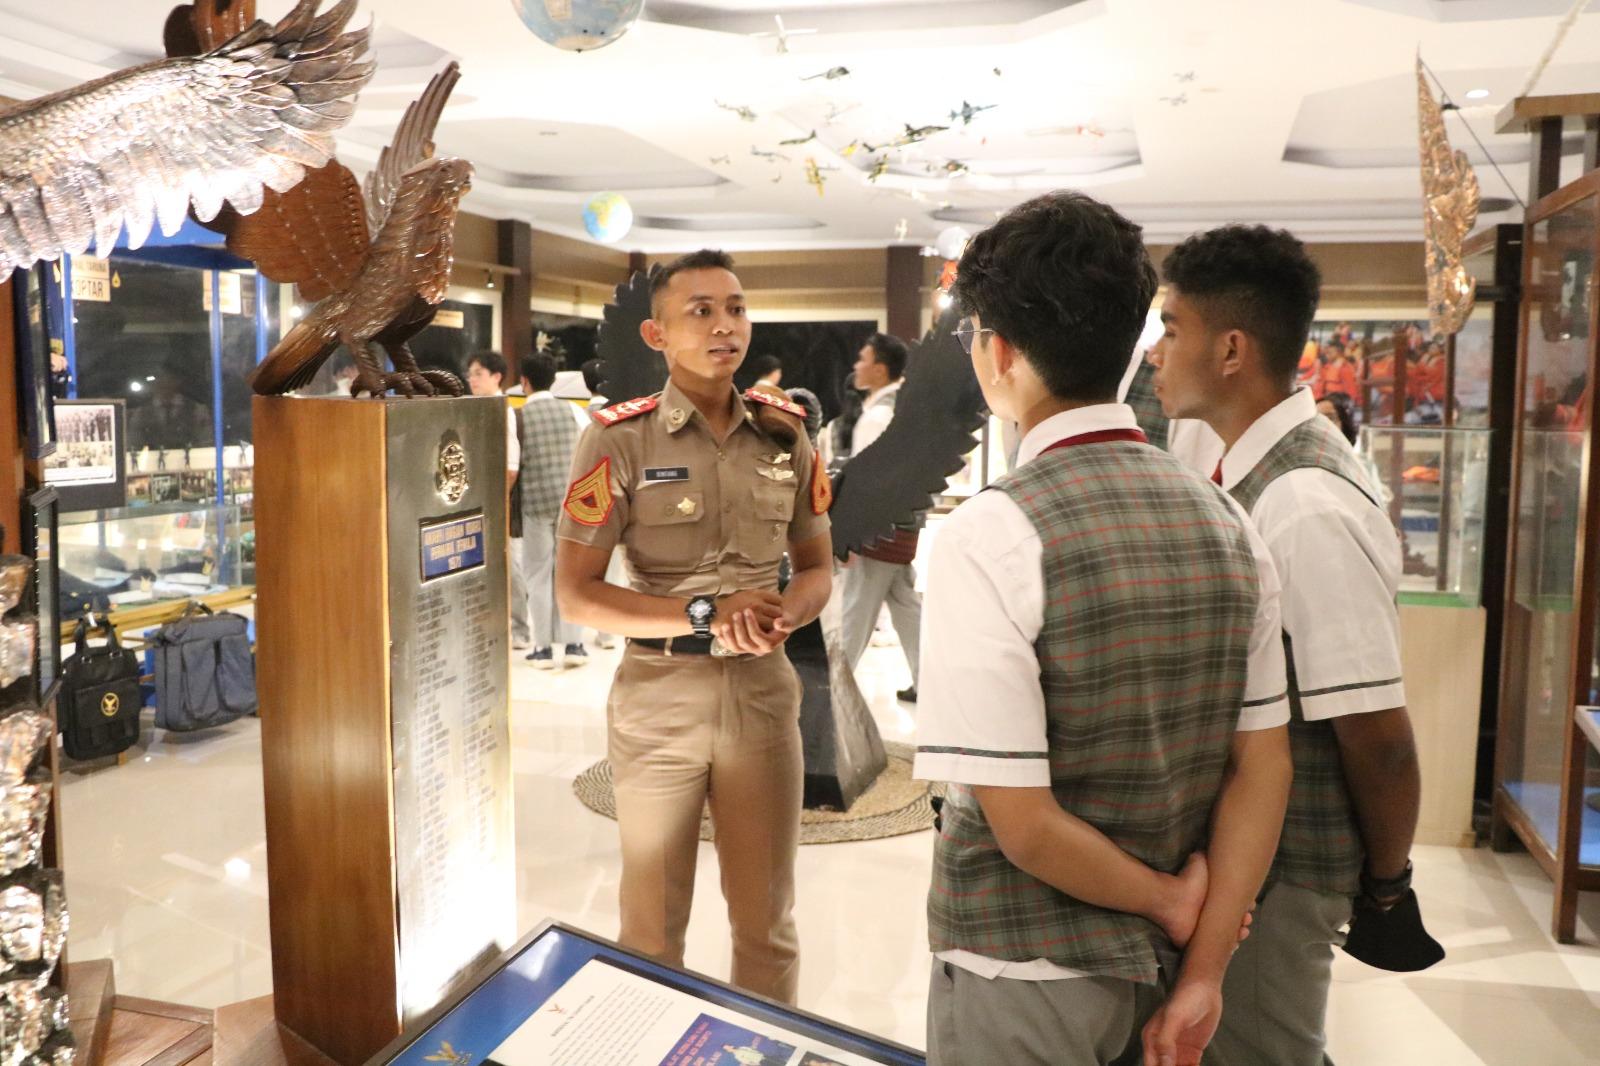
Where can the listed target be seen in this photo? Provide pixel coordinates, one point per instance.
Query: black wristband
(1387, 887)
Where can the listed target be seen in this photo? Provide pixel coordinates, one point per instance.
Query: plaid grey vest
(1146, 406)
(1320, 848)
(1150, 599)
(549, 437)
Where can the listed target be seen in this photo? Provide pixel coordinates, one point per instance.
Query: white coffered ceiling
(1182, 113)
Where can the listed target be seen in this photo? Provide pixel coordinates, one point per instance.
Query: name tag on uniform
(661, 475)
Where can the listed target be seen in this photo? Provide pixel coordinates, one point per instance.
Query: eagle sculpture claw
(403, 383)
(445, 382)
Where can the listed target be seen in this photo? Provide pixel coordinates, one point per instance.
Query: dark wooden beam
(637, 263)
(514, 242)
(902, 292)
(1544, 170)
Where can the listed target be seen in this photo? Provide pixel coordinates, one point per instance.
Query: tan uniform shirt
(695, 517)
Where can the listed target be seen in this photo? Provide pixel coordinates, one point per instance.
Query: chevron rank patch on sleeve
(589, 500)
(821, 487)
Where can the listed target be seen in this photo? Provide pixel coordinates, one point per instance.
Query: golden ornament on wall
(1449, 211)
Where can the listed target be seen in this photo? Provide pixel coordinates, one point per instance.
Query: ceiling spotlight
(488, 279)
(1477, 94)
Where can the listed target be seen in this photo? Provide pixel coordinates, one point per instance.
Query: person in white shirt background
(486, 376)
(882, 573)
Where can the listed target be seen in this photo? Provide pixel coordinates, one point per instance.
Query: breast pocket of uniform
(764, 529)
(668, 533)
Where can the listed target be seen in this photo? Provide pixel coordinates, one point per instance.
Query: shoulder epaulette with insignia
(770, 400)
(610, 416)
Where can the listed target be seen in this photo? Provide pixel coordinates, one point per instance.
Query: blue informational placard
(451, 545)
(560, 987)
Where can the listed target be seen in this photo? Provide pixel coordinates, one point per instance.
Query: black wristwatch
(701, 610)
(1387, 887)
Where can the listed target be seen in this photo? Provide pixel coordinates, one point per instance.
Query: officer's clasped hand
(747, 623)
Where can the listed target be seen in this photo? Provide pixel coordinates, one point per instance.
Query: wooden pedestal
(383, 672)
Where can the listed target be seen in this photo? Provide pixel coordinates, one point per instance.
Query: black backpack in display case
(100, 698)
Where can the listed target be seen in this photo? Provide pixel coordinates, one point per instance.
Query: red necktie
(1216, 475)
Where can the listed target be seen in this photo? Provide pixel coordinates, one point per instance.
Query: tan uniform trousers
(685, 728)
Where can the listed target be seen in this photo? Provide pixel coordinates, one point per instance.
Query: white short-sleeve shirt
(1339, 558)
(981, 719)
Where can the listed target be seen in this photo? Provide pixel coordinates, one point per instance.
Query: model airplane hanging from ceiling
(912, 135)
(738, 109)
(968, 112)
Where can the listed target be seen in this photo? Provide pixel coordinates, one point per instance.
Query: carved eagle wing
(412, 144)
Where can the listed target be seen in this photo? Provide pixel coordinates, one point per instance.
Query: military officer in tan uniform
(704, 490)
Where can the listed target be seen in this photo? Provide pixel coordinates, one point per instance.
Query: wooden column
(1591, 143)
(902, 292)
(637, 264)
(1544, 169)
(515, 241)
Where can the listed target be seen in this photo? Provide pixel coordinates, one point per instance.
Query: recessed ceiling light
(1477, 94)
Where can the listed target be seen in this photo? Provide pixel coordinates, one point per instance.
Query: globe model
(608, 217)
(578, 25)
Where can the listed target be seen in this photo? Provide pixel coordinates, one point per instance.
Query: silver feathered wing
(138, 147)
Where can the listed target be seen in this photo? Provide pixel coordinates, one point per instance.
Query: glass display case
(1433, 482)
(139, 555)
(1548, 664)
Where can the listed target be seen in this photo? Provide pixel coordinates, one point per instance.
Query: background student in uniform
(549, 436)
(1239, 305)
(1103, 684)
(486, 373)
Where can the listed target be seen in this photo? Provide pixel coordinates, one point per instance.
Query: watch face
(700, 611)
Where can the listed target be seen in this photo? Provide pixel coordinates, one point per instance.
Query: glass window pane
(149, 343)
(458, 330)
(1474, 356)
(238, 354)
(1555, 418)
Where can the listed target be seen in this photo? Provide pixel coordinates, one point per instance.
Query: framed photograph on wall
(88, 468)
(42, 545)
(31, 310)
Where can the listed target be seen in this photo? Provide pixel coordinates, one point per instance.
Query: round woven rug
(893, 806)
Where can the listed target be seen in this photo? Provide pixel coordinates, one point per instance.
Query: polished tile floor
(166, 875)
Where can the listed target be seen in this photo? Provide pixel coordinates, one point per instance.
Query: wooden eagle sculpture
(893, 481)
(233, 123)
(379, 264)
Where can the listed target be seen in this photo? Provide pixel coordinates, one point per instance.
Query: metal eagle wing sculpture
(936, 421)
(629, 368)
(137, 148)
(893, 481)
(1450, 210)
(379, 263)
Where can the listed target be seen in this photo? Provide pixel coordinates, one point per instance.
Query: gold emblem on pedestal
(450, 480)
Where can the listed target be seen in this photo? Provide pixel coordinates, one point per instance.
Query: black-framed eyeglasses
(967, 334)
